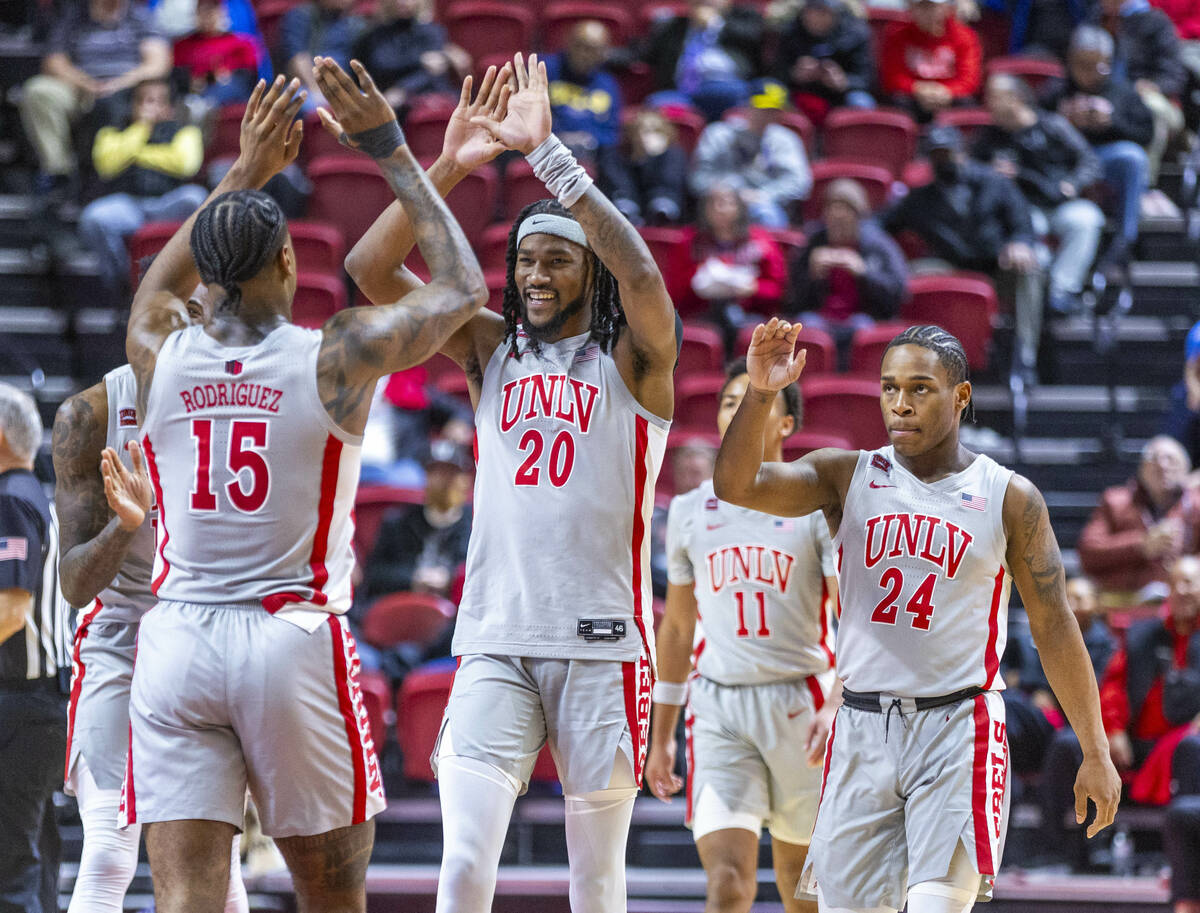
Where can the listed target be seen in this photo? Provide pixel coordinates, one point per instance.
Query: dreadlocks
(607, 316)
(234, 237)
(949, 351)
(793, 405)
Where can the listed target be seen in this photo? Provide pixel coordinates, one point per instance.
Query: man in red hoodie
(931, 62)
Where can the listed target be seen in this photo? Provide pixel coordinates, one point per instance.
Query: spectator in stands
(1147, 55)
(96, 53)
(1182, 420)
(1149, 697)
(725, 265)
(647, 179)
(1113, 118)
(763, 160)
(409, 56)
(930, 63)
(146, 172)
(850, 273)
(319, 28)
(1052, 164)
(706, 58)
(221, 66)
(420, 547)
(1139, 528)
(825, 59)
(1181, 842)
(1040, 28)
(972, 218)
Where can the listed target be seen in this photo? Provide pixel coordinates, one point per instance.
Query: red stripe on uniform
(330, 465)
(824, 613)
(77, 680)
(164, 537)
(814, 688)
(690, 760)
(838, 603)
(128, 797)
(639, 525)
(979, 789)
(991, 658)
(341, 677)
(828, 756)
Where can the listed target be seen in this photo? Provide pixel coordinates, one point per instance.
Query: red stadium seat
(225, 142)
(455, 385)
(414, 618)
(473, 201)
(696, 402)
(821, 357)
(790, 241)
(845, 406)
(318, 297)
(319, 247)
(559, 18)
(876, 181)
(1034, 70)
(703, 350)
(377, 701)
(425, 129)
(371, 503)
(962, 304)
(520, 188)
(917, 173)
(689, 125)
(439, 366)
(793, 120)
(268, 13)
(875, 137)
(636, 82)
(482, 27)
(664, 242)
(803, 442)
(867, 348)
(880, 19)
(317, 140)
(147, 241)
(493, 247)
(419, 708)
(968, 121)
(349, 191)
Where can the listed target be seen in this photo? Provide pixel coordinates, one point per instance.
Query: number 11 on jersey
(761, 599)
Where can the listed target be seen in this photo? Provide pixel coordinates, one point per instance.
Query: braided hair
(949, 351)
(234, 237)
(793, 405)
(607, 315)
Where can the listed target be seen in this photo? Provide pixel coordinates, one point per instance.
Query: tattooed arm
(92, 539)
(1036, 565)
(361, 345)
(269, 141)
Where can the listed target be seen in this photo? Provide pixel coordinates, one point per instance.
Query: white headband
(547, 223)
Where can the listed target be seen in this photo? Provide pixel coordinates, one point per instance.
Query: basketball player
(252, 429)
(763, 696)
(106, 526)
(928, 536)
(572, 386)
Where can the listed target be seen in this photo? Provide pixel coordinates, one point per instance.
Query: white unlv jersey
(128, 597)
(558, 564)
(922, 578)
(760, 588)
(255, 482)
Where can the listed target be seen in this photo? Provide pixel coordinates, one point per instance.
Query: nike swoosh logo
(712, 526)
(795, 713)
(877, 485)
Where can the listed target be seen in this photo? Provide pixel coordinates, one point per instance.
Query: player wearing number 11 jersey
(914, 800)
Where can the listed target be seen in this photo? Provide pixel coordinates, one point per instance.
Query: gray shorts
(98, 711)
(503, 709)
(745, 744)
(900, 794)
(229, 696)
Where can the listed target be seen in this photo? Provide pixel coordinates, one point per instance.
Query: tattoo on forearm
(612, 236)
(1042, 557)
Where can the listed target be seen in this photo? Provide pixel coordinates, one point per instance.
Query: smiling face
(552, 276)
(921, 407)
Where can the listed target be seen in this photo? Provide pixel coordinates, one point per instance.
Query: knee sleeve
(597, 828)
(236, 900)
(477, 800)
(955, 892)
(109, 858)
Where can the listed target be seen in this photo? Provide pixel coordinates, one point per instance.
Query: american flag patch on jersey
(973, 501)
(233, 367)
(786, 525)
(14, 548)
(587, 353)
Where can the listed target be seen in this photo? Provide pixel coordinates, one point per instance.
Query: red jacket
(760, 248)
(1185, 14)
(954, 59)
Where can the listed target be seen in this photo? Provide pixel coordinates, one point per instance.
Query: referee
(33, 668)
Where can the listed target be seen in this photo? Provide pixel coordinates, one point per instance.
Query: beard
(552, 327)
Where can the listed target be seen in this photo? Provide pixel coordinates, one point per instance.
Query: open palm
(772, 361)
(527, 121)
(469, 145)
(129, 494)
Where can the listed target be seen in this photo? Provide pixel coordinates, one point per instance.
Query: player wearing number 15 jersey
(914, 798)
(762, 588)
(251, 426)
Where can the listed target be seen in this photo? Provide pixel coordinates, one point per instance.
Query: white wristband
(670, 693)
(555, 166)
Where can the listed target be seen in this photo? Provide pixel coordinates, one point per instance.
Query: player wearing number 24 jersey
(928, 535)
(251, 426)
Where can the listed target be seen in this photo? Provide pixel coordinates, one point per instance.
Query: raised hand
(129, 494)
(772, 361)
(270, 134)
(355, 109)
(527, 122)
(469, 145)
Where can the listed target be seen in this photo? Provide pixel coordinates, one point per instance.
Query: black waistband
(870, 700)
(31, 685)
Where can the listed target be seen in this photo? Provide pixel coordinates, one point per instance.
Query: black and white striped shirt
(38, 654)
